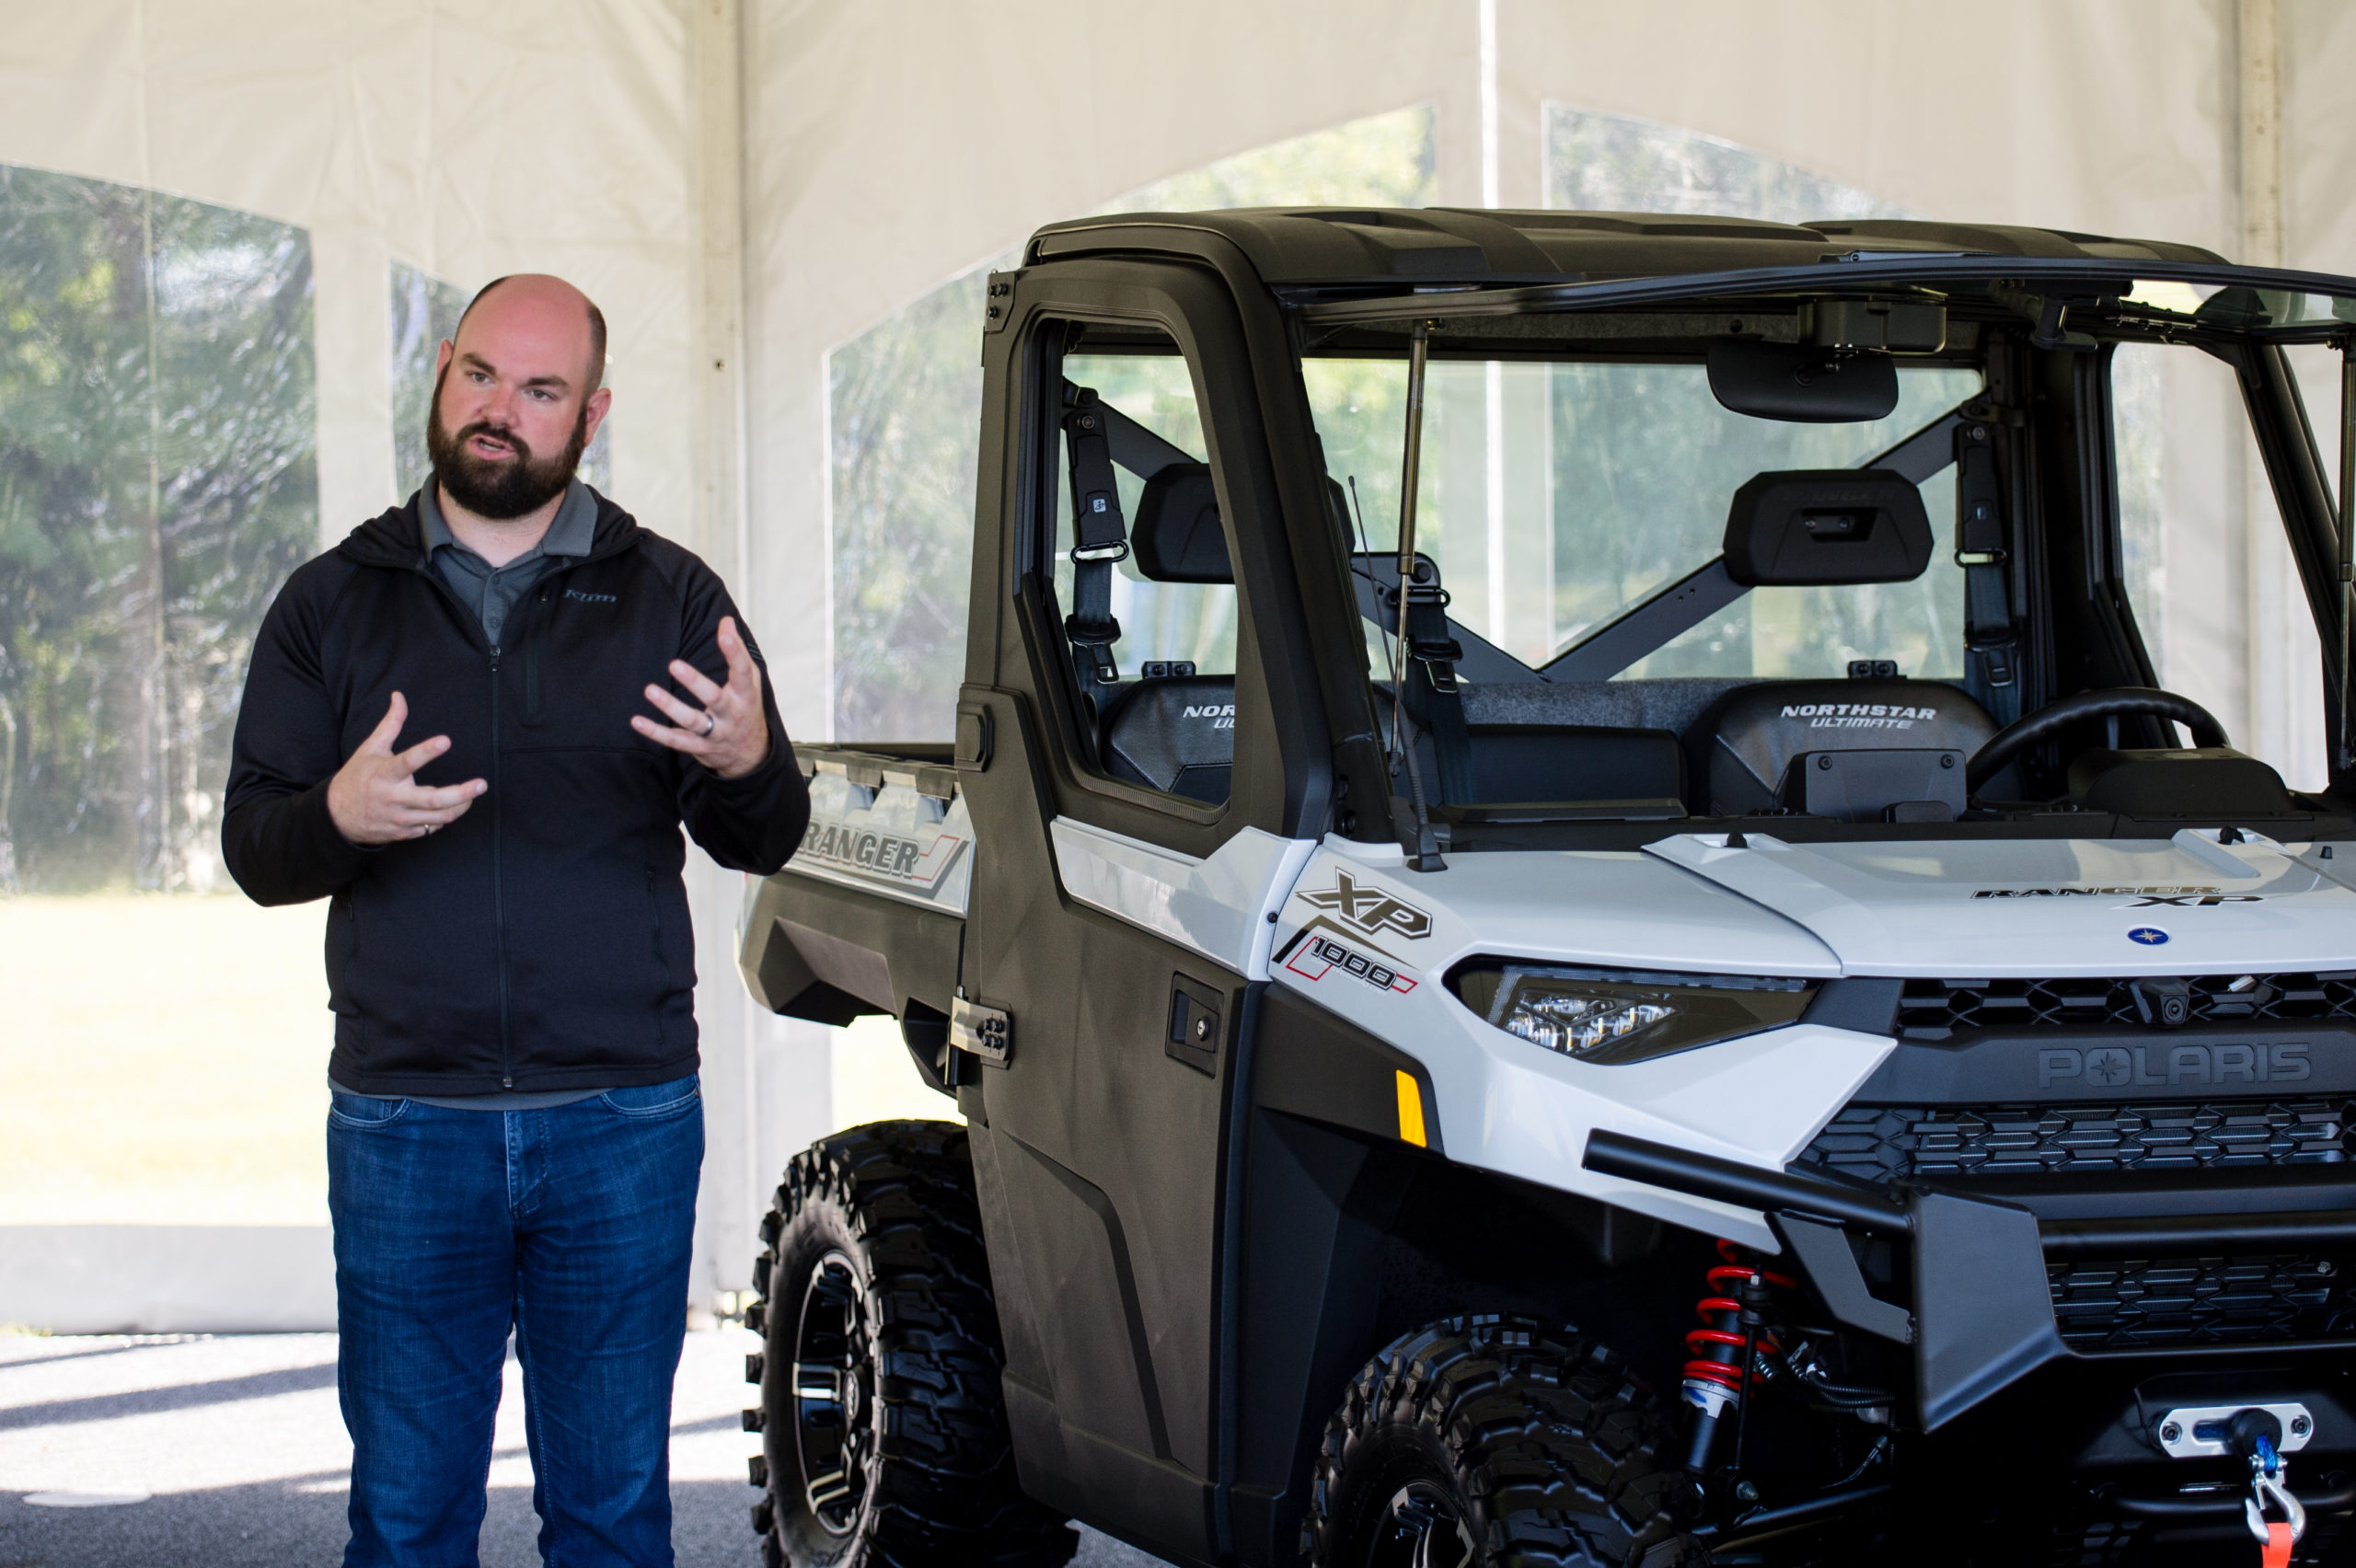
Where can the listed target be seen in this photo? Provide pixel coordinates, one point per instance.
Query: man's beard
(504, 489)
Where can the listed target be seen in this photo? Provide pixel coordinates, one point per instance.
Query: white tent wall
(597, 139)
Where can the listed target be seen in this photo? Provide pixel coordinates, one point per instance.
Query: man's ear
(441, 358)
(599, 401)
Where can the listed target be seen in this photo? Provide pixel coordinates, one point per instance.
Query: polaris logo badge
(1371, 910)
(1221, 715)
(1858, 715)
(593, 598)
(2121, 1067)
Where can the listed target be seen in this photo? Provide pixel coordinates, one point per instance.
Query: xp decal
(1319, 956)
(1371, 910)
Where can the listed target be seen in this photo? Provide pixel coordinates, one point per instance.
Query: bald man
(477, 726)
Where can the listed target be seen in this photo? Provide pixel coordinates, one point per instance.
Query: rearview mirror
(1800, 382)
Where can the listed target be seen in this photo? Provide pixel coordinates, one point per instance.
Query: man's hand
(375, 798)
(730, 734)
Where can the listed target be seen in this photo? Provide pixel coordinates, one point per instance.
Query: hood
(394, 537)
(2183, 905)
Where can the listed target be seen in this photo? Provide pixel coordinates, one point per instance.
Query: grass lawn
(163, 1061)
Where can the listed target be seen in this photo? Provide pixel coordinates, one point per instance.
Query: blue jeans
(572, 1226)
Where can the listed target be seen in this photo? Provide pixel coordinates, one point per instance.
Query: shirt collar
(570, 533)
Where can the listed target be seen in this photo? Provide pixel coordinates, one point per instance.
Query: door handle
(1195, 1032)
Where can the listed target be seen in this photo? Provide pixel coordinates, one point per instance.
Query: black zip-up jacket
(541, 941)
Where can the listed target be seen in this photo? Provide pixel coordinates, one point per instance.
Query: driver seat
(1741, 749)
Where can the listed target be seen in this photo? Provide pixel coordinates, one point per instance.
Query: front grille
(2120, 1304)
(1940, 1010)
(1884, 1142)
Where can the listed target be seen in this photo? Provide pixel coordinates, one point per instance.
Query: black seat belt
(1433, 698)
(1100, 537)
(1988, 629)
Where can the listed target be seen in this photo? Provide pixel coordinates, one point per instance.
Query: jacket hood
(396, 539)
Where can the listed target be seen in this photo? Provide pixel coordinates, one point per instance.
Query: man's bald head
(517, 399)
(549, 299)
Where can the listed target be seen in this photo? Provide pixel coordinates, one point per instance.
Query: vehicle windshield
(1556, 495)
(1590, 503)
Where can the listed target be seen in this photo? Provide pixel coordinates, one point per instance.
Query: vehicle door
(1139, 786)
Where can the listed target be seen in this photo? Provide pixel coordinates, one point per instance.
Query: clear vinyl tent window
(2206, 565)
(1617, 163)
(158, 480)
(904, 413)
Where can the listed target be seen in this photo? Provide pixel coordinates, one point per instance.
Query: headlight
(1616, 1016)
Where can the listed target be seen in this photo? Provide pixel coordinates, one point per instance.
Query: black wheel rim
(833, 1394)
(1419, 1527)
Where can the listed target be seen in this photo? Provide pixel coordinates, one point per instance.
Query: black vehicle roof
(1313, 246)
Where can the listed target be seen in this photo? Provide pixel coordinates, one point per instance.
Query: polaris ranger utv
(1569, 924)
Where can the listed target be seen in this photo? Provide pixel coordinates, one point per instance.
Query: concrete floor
(239, 1447)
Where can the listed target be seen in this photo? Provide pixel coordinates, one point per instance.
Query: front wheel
(884, 1433)
(1478, 1442)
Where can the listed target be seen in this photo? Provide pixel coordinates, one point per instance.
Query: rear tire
(888, 1447)
(1479, 1442)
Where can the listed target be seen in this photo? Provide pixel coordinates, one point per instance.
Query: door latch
(1194, 1034)
(985, 1033)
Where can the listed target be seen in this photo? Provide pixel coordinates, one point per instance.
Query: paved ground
(237, 1445)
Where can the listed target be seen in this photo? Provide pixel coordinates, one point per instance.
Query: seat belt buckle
(1438, 660)
(1999, 657)
(1094, 642)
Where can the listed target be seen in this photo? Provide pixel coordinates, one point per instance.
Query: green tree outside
(157, 483)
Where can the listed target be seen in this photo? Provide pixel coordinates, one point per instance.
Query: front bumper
(1979, 1317)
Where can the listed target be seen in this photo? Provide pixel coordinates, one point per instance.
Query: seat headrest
(1176, 537)
(1827, 526)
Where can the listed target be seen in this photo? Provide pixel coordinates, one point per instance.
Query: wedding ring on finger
(711, 722)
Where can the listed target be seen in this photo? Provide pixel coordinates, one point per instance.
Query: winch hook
(2269, 1489)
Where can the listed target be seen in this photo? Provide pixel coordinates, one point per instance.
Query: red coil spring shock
(1716, 1376)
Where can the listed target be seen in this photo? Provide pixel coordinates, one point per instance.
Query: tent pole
(2347, 748)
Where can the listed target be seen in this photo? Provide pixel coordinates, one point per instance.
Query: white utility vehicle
(1569, 923)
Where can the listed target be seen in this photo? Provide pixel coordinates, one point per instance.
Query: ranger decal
(885, 856)
(2164, 893)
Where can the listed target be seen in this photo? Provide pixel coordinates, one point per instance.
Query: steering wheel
(2107, 703)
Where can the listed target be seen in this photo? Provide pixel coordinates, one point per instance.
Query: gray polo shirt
(492, 594)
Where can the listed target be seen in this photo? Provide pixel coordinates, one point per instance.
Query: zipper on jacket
(534, 704)
(473, 626)
(498, 901)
